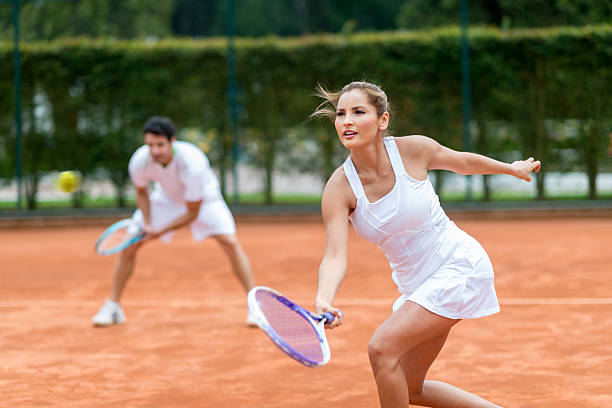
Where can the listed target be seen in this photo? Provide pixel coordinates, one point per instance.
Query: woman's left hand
(523, 168)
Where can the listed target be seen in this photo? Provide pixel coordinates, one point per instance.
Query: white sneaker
(250, 320)
(110, 313)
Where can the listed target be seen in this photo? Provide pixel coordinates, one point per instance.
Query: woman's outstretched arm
(335, 208)
(438, 157)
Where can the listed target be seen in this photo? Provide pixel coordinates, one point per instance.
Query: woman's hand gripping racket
(295, 330)
(119, 236)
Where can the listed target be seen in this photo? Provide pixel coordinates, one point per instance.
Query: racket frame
(114, 227)
(315, 320)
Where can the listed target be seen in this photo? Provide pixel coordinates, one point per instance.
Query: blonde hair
(376, 96)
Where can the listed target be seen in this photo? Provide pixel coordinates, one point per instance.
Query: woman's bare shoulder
(338, 193)
(338, 180)
(411, 140)
(414, 145)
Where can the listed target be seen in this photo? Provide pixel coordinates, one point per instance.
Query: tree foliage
(126, 19)
(54, 19)
(418, 14)
(536, 92)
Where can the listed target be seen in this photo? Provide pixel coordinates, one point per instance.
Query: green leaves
(530, 87)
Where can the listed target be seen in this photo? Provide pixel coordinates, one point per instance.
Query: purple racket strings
(292, 328)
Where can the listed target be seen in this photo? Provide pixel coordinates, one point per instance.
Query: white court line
(555, 301)
(235, 302)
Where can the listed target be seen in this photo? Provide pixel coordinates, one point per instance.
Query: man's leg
(124, 267)
(238, 258)
(111, 312)
(240, 265)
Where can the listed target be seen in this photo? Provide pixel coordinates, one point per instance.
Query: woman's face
(356, 122)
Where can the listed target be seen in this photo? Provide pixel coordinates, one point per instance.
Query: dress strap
(394, 156)
(353, 178)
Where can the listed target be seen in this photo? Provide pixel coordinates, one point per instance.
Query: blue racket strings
(291, 327)
(117, 237)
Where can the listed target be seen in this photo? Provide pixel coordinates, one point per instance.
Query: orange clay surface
(185, 343)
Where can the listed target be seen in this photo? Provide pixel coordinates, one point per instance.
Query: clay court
(185, 343)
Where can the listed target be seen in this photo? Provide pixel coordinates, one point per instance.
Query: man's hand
(150, 233)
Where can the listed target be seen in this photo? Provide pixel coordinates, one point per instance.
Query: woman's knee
(381, 357)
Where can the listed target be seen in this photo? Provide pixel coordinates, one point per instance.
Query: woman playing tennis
(443, 274)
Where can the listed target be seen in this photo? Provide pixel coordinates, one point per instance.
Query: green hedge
(537, 92)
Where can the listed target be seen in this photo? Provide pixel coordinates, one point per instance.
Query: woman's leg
(416, 363)
(401, 352)
(410, 326)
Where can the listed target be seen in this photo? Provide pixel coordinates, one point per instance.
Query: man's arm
(142, 201)
(193, 208)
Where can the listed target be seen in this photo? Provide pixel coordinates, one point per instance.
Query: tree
(416, 14)
(45, 20)
(197, 18)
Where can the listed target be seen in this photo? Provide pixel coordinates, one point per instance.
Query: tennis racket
(295, 330)
(119, 236)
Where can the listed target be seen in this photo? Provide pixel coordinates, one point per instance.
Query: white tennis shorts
(214, 217)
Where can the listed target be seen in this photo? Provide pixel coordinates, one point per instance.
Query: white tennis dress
(188, 177)
(434, 263)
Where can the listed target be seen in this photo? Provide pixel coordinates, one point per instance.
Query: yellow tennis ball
(68, 181)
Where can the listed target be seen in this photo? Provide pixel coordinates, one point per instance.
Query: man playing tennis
(186, 192)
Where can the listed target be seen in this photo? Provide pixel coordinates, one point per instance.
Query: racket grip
(328, 317)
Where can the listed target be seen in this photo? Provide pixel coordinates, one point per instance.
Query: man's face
(160, 147)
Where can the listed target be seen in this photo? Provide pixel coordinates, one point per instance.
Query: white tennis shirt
(188, 177)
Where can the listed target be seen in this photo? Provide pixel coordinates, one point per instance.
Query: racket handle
(328, 317)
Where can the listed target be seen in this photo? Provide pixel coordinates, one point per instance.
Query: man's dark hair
(160, 125)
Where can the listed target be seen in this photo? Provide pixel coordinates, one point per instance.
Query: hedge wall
(535, 92)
